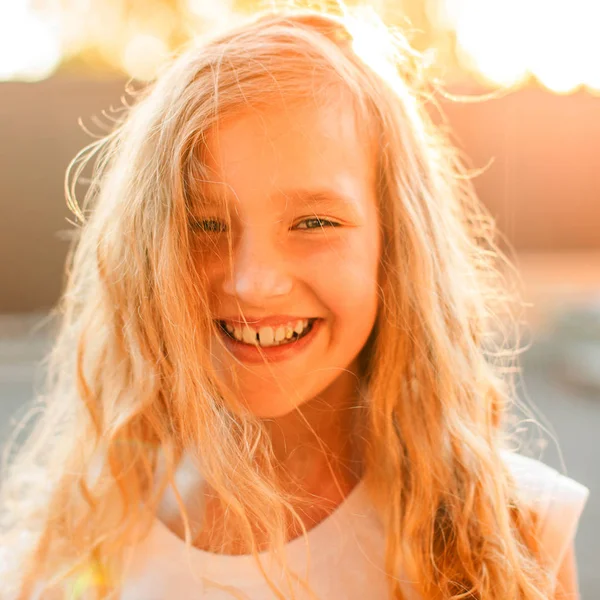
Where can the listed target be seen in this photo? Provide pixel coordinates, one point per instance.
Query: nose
(259, 271)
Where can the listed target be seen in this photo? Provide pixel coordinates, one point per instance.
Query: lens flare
(93, 577)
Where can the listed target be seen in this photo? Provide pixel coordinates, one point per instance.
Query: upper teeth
(267, 336)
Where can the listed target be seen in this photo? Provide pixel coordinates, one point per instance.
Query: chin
(273, 407)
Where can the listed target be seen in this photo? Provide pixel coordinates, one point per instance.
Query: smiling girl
(275, 375)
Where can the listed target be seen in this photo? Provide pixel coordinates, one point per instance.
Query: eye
(209, 225)
(317, 223)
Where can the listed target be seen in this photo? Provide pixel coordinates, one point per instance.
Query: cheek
(348, 287)
(211, 263)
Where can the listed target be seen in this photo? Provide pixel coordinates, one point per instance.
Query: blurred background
(64, 65)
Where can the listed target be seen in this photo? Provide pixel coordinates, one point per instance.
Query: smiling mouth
(295, 336)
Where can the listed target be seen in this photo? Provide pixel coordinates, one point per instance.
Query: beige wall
(39, 135)
(544, 182)
(544, 186)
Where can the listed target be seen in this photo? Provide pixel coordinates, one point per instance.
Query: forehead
(288, 153)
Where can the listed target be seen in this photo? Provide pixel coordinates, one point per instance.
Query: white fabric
(346, 549)
(559, 499)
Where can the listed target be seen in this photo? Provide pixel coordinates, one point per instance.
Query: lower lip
(257, 354)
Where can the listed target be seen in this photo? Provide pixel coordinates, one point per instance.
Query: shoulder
(558, 499)
(542, 484)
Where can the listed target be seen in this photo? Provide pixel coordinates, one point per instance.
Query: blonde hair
(122, 389)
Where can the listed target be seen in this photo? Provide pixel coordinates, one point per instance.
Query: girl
(275, 375)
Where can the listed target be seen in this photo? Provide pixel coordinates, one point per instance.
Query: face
(299, 188)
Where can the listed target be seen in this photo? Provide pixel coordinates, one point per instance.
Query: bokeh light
(30, 47)
(498, 42)
(143, 56)
(211, 13)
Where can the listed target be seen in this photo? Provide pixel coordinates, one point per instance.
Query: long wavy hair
(130, 377)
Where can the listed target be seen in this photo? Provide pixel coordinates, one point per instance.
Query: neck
(318, 459)
(316, 446)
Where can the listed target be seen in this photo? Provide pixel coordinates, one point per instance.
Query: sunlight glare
(590, 59)
(555, 56)
(492, 41)
(505, 41)
(370, 42)
(498, 63)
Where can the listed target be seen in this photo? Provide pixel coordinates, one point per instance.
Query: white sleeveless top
(346, 549)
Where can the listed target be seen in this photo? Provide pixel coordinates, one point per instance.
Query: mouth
(268, 337)
(250, 349)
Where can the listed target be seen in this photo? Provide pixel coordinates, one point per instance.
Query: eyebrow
(314, 197)
(321, 197)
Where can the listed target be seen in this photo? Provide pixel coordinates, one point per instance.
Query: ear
(567, 587)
